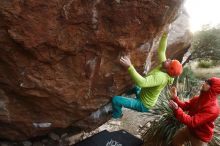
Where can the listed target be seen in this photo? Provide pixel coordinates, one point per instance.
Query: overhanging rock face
(59, 58)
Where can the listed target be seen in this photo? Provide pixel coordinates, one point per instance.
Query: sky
(203, 12)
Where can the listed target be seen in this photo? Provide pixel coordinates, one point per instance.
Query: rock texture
(59, 58)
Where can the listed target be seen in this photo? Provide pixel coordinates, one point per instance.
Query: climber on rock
(149, 86)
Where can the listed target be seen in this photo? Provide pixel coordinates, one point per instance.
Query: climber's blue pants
(132, 103)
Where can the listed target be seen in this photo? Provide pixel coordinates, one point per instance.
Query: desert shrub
(206, 64)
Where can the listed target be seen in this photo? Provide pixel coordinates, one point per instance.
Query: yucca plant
(162, 130)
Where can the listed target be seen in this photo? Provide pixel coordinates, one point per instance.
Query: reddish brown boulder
(59, 58)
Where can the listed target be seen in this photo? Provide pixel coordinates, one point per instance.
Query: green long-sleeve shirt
(154, 82)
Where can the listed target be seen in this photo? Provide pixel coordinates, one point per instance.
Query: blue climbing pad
(116, 138)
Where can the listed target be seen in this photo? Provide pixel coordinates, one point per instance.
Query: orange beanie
(175, 68)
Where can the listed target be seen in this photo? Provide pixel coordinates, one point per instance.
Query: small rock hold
(75, 138)
(118, 1)
(27, 143)
(140, 126)
(54, 136)
(138, 136)
(64, 135)
(148, 125)
(142, 131)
